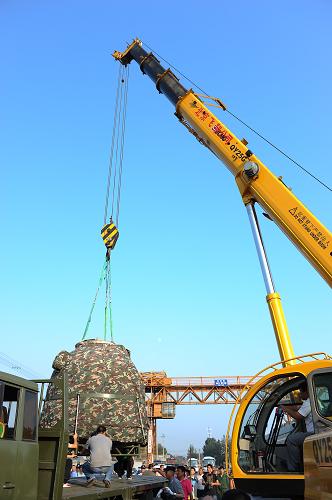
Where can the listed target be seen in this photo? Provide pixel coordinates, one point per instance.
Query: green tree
(161, 450)
(192, 452)
(216, 448)
(223, 449)
(212, 448)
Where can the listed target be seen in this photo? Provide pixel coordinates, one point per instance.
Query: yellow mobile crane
(260, 429)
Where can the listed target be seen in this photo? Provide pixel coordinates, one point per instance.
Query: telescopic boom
(255, 181)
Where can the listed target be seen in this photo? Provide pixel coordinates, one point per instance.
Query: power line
(17, 367)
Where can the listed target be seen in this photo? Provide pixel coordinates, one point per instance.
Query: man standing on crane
(295, 440)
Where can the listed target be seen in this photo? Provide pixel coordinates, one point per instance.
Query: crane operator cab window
(271, 425)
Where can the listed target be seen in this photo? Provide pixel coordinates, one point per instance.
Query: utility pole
(162, 437)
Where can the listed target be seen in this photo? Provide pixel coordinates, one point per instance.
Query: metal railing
(214, 381)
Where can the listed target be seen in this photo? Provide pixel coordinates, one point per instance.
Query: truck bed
(138, 486)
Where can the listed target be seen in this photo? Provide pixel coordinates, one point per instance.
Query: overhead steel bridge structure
(164, 393)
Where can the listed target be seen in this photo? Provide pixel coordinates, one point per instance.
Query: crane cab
(259, 450)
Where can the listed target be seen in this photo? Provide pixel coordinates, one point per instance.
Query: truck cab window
(8, 411)
(322, 384)
(30, 416)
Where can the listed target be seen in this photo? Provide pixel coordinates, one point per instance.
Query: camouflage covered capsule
(110, 388)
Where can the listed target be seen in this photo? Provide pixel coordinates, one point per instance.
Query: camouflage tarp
(110, 388)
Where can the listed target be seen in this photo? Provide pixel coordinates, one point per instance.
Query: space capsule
(104, 387)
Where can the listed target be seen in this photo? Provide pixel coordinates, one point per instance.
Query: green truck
(33, 459)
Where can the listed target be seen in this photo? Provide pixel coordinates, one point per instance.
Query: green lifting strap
(102, 276)
(108, 298)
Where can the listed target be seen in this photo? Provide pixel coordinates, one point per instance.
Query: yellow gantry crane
(258, 462)
(164, 393)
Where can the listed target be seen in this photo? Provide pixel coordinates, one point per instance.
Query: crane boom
(257, 467)
(255, 181)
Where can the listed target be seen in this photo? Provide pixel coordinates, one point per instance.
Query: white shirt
(305, 411)
(200, 486)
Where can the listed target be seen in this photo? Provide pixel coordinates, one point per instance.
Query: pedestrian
(79, 470)
(149, 471)
(159, 471)
(100, 446)
(141, 470)
(162, 471)
(73, 472)
(194, 481)
(185, 482)
(211, 483)
(72, 445)
(224, 482)
(200, 485)
(174, 488)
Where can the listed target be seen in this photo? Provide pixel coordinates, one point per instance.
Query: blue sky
(186, 305)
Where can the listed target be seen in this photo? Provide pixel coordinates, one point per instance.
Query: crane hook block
(110, 234)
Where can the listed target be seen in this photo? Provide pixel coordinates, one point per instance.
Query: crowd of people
(183, 483)
(187, 484)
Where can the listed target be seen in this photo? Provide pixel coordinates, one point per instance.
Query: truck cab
(18, 437)
(32, 459)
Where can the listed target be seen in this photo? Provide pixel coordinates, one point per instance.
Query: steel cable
(117, 133)
(114, 179)
(245, 124)
(124, 117)
(112, 148)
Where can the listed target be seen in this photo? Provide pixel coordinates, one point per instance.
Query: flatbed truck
(33, 459)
